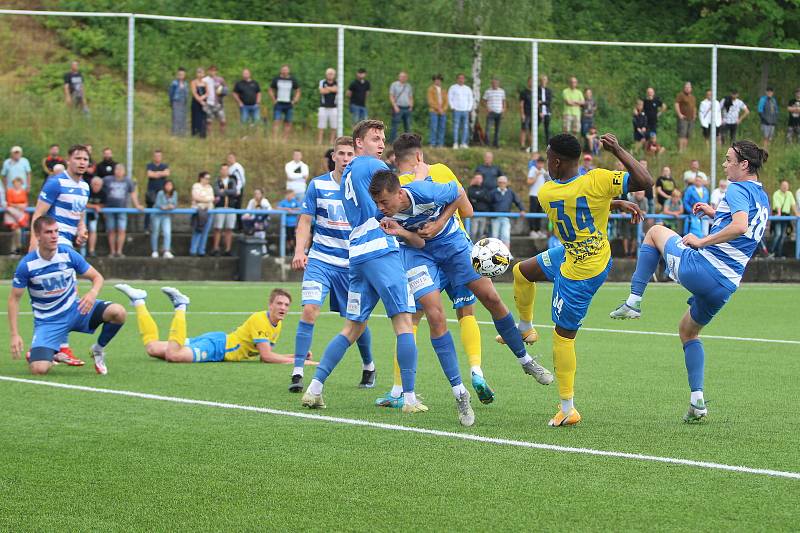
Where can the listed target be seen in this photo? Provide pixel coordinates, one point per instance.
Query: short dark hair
(202, 174)
(361, 129)
(54, 146)
(181, 69)
(362, 71)
(406, 144)
(77, 148)
(437, 77)
(770, 89)
(279, 292)
(344, 140)
(750, 152)
(41, 222)
(566, 145)
(383, 180)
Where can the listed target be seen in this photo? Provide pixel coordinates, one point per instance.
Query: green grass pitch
(80, 460)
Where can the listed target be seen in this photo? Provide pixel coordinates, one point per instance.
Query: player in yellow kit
(253, 339)
(578, 206)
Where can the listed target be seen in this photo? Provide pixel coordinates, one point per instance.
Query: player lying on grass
(49, 274)
(253, 339)
(578, 207)
(710, 267)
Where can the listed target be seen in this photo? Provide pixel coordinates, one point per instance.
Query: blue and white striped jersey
(323, 202)
(67, 198)
(367, 239)
(428, 199)
(728, 260)
(51, 283)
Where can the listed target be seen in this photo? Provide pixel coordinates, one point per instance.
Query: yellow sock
(147, 326)
(177, 330)
(524, 295)
(471, 339)
(565, 365)
(397, 381)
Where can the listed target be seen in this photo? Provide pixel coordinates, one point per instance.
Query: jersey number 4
(566, 228)
(349, 192)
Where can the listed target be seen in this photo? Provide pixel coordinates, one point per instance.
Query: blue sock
(107, 333)
(364, 343)
(407, 360)
(646, 266)
(446, 352)
(333, 354)
(302, 342)
(694, 357)
(507, 329)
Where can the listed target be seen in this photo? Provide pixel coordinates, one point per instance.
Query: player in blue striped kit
(710, 267)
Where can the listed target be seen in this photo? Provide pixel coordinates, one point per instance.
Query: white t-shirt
(705, 114)
(731, 116)
(211, 90)
(716, 197)
(460, 98)
(264, 204)
(690, 175)
(541, 176)
(296, 176)
(494, 99)
(237, 170)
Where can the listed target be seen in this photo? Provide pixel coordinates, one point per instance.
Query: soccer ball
(490, 257)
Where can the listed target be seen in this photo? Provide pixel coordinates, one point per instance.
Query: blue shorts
(461, 296)
(440, 265)
(52, 332)
(283, 110)
(550, 261)
(116, 221)
(320, 279)
(378, 279)
(208, 347)
(686, 266)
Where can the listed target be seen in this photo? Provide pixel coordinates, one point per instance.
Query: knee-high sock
(507, 329)
(471, 339)
(333, 354)
(565, 364)
(446, 352)
(524, 295)
(646, 266)
(107, 333)
(302, 342)
(398, 381)
(694, 357)
(177, 330)
(407, 359)
(147, 326)
(364, 343)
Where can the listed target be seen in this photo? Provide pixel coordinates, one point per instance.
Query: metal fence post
(535, 96)
(340, 81)
(713, 123)
(129, 118)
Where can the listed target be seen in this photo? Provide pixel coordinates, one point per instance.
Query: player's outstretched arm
(268, 356)
(639, 178)
(636, 213)
(392, 227)
(302, 242)
(432, 229)
(736, 228)
(13, 322)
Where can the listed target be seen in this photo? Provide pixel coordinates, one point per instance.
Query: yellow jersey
(578, 209)
(439, 173)
(241, 345)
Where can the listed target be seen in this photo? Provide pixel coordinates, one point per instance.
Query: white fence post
(535, 96)
(713, 123)
(340, 81)
(129, 118)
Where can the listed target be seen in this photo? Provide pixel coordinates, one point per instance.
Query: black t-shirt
(358, 92)
(75, 82)
(794, 118)
(284, 87)
(651, 110)
(95, 198)
(526, 97)
(247, 91)
(156, 184)
(328, 99)
(105, 168)
(667, 185)
(639, 121)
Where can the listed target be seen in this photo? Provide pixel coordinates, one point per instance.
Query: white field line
(423, 431)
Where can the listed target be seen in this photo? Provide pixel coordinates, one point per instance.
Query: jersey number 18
(759, 224)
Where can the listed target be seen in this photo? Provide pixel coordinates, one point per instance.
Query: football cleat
(562, 420)
(697, 412)
(297, 383)
(65, 356)
(387, 400)
(367, 379)
(99, 356)
(485, 393)
(528, 337)
(418, 407)
(176, 296)
(539, 373)
(465, 413)
(131, 292)
(625, 312)
(313, 401)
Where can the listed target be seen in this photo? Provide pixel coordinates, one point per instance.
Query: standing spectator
(216, 90)
(793, 130)
(502, 199)
(783, 205)
(119, 189)
(489, 171)
(665, 186)
(496, 105)
(437, 111)
(328, 114)
(588, 111)
(461, 101)
(51, 160)
(202, 201)
(649, 194)
(284, 91)
(630, 232)
(157, 174)
(401, 95)
(91, 169)
(525, 114)
(225, 197)
(537, 175)
(166, 200)
(694, 194)
(74, 89)
(290, 205)
(653, 107)
(573, 100)
(236, 171)
(674, 208)
(178, 98)
(545, 103)
(686, 109)
(718, 194)
(296, 174)
(732, 107)
(481, 202)
(15, 217)
(247, 93)
(199, 96)
(705, 115)
(256, 224)
(95, 204)
(639, 123)
(694, 171)
(768, 113)
(107, 165)
(358, 92)
(17, 166)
